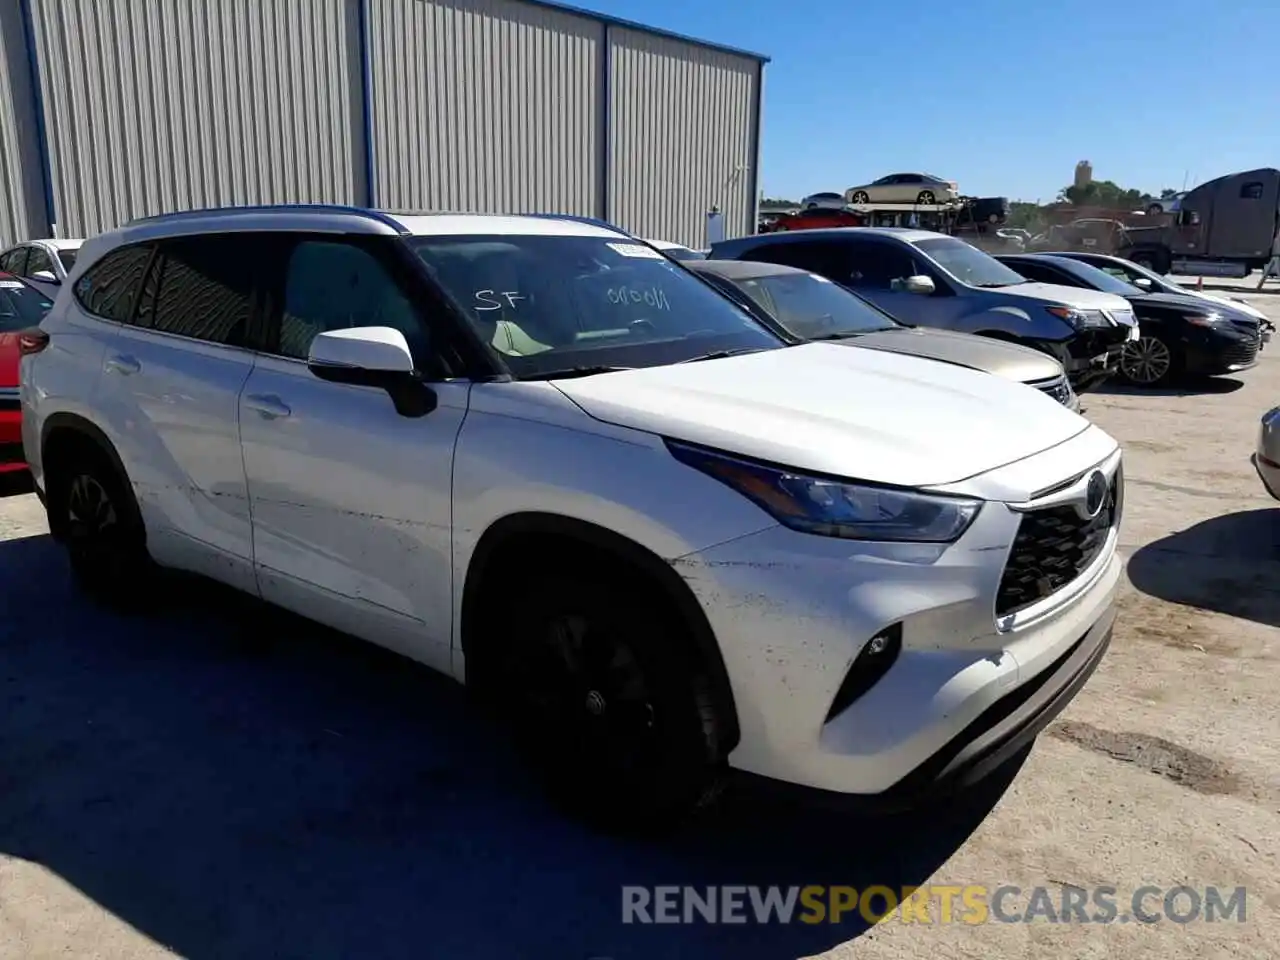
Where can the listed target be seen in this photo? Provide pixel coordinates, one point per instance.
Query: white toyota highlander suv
(537, 455)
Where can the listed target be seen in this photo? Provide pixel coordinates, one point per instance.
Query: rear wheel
(600, 688)
(926, 197)
(1149, 361)
(859, 196)
(92, 507)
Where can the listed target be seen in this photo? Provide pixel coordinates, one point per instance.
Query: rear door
(171, 381)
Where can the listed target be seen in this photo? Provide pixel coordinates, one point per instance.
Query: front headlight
(836, 508)
(1205, 319)
(1081, 319)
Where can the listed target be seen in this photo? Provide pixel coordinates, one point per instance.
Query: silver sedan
(1267, 457)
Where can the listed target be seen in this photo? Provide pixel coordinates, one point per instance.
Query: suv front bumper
(792, 611)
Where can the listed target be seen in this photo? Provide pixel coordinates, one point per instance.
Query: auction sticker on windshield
(638, 250)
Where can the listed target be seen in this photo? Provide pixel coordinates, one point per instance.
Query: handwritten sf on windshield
(654, 297)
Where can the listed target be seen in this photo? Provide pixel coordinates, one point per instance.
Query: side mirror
(1143, 282)
(372, 357)
(45, 276)
(920, 285)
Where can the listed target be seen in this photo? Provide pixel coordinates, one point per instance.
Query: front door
(352, 509)
(877, 270)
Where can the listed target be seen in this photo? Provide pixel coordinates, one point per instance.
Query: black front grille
(1242, 351)
(1053, 547)
(1058, 389)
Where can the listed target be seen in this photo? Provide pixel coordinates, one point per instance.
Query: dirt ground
(168, 785)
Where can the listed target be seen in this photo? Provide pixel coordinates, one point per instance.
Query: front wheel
(601, 689)
(926, 197)
(1148, 361)
(860, 196)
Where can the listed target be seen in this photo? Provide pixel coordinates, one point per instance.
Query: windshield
(21, 306)
(967, 263)
(1133, 270)
(1097, 279)
(812, 306)
(556, 304)
(68, 258)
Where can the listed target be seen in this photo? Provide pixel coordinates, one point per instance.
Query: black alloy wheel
(1148, 361)
(605, 702)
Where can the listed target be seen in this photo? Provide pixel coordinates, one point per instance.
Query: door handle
(123, 364)
(267, 405)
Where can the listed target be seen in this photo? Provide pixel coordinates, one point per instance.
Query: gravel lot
(170, 786)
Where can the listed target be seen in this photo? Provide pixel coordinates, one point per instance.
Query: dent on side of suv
(935, 280)
(537, 455)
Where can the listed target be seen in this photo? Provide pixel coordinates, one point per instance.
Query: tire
(1149, 362)
(925, 197)
(93, 506)
(1155, 209)
(605, 699)
(1152, 260)
(859, 196)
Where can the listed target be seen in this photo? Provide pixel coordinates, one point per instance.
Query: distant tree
(1168, 193)
(1105, 193)
(1025, 216)
(773, 202)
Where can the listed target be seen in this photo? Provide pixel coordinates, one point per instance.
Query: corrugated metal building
(114, 109)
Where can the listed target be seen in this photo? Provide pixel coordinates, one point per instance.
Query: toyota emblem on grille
(1095, 494)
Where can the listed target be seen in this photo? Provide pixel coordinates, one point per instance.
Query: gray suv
(933, 280)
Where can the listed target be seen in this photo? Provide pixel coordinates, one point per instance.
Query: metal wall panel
(682, 137)
(22, 202)
(174, 104)
(485, 106)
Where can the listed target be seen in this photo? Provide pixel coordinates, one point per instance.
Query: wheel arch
(67, 431)
(515, 530)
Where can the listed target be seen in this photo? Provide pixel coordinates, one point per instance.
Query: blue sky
(1003, 96)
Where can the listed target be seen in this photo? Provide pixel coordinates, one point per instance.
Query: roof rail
(248, 209)
(591, 221)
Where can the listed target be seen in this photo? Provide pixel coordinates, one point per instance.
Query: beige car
(811, 307)
(920, 188)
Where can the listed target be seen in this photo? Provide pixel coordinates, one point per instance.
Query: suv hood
(1008, 360)
(1067, 296)
(820, 407)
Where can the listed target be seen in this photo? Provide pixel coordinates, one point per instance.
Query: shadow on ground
(1182, 387)
(234, 782)
(1228, 564)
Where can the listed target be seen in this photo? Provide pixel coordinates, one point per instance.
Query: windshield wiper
(721, 354)
(569, 372)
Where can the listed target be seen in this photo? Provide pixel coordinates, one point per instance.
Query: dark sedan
(1179, 334)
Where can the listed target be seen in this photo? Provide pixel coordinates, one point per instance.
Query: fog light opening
(872, 662)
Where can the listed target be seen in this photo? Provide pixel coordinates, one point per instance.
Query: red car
(22, 307)
(818, 218)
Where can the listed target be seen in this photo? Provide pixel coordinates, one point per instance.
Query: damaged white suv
(539, 456)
